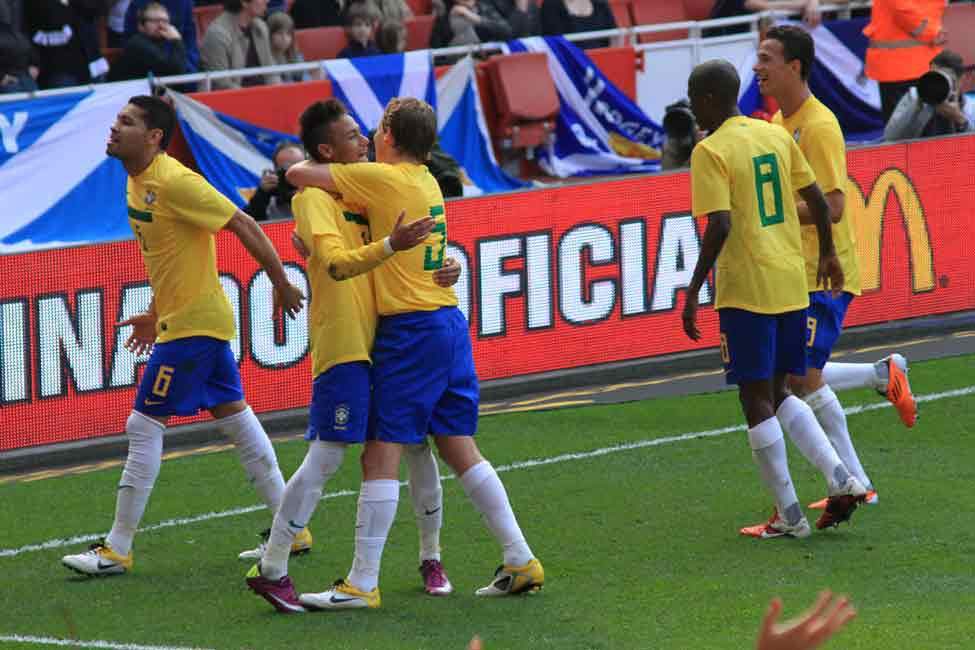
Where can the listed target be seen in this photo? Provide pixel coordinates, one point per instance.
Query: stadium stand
(420, 7)
(653, 12)
(419, 29)
(524, 119)
(959, 22)
(318, 43)
(202, 16)
(698, 9)
(622, 13)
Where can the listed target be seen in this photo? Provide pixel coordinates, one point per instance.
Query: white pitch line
(76, 643)
(525, 464)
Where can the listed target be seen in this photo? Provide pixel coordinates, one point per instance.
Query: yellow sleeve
(800, 173)
(363, 183)
(710, 185)
(195, 201)
(825, 151)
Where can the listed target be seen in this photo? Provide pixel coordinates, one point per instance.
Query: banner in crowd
(53, 162)
(230, 153)
(599, 130)
(836, 79)
(552, 278)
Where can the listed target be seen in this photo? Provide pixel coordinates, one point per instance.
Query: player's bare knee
(380, 461)
(228, 409)
(459, 452)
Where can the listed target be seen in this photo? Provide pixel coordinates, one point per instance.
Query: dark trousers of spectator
(891, 93)
(22, 83)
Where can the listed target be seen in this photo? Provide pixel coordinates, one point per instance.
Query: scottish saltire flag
(836, 78)
(230, 153)
(58, 186)
(599, 130)
(463, 130)
(366, 84)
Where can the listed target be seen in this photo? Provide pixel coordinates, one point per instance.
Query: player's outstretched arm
(286, 296)
(311, 174)
(826, 617)
(143, 335)
(719, 225)
(344, 263)
(830, 273)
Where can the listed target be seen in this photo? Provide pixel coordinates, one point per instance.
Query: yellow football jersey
(752, 168)
(820, 138)
(174, 213)
(404, 283)
(342, 312)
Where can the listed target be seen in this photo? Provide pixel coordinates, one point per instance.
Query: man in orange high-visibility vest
(904, 36)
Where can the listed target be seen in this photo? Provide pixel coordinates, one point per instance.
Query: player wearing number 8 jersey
(424, 382)
(174, 214)
(743, 176)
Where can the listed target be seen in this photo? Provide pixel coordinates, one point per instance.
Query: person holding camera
(934, 106)
(272, 199)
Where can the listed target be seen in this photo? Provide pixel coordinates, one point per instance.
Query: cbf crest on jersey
(342, 417)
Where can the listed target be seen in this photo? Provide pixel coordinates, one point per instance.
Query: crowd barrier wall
(553, 278)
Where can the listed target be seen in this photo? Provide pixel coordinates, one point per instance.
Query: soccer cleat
(509, 581)
(435, 581)
(301, 545)
(280, 593)
(776, 526)
(898, 389)
(872, 498)
(342, 595)
(98, 560)
(841, 506)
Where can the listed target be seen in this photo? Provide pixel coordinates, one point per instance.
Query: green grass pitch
(640, 546)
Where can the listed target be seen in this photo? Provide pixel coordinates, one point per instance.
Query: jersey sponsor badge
(150, 197)
(341, 417)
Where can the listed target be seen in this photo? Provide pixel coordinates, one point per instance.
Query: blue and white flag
(463, 131)
(230, 153)
(59, 187)
(366, 84)
(599, 129)
(836, 79)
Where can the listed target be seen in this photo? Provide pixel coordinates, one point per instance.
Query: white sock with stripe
(142, 464)
(799, 421)
(426, 493)
(829, 412)
(768, 452)
(256, 454)
(377, 510)
(482, 485)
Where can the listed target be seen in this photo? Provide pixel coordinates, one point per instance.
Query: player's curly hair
(413, 124)
(315, 122)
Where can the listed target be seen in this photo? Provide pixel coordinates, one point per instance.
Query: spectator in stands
(360, 21)
(62, 32)
(17, 74)
(284, 49)
(391, 37)
(809, 8)
(915, 118)
(158, 48)
(463, 19)
(574, 16)
(115, 32)
(181, 17)
(904, 37)
(238, 38)
(272, 199)
(521, 15)
(317, 13)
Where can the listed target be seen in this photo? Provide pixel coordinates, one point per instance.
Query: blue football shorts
(755, 347)
(825, 322)
(339, 409)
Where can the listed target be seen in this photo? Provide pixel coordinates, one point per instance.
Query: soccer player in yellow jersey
(424, 382)
(785, 58)
(743, 177)
(335, 239)
(174, 214)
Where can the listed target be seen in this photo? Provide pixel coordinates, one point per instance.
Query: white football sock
(768, 452)
(829, 412)
(256, 455)
(142, 465)
(301, 497)
(426, 493)
(377, 510)
(485, 490)
(843, 376)
(799, 421)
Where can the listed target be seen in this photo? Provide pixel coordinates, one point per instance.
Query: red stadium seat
(317, 43)
(420, 7)
(698, 9)
(959, 22)
(419, 29)
(621, 13)
(655, 12)
(525, 98)
(203, 16)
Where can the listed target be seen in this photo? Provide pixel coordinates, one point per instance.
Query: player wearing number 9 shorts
(424, 381)
(743, 177)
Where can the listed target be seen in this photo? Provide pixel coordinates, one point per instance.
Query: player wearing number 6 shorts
(174, 214)
(424, 382)
(743, 177)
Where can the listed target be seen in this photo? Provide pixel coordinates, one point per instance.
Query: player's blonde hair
(413, 124)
